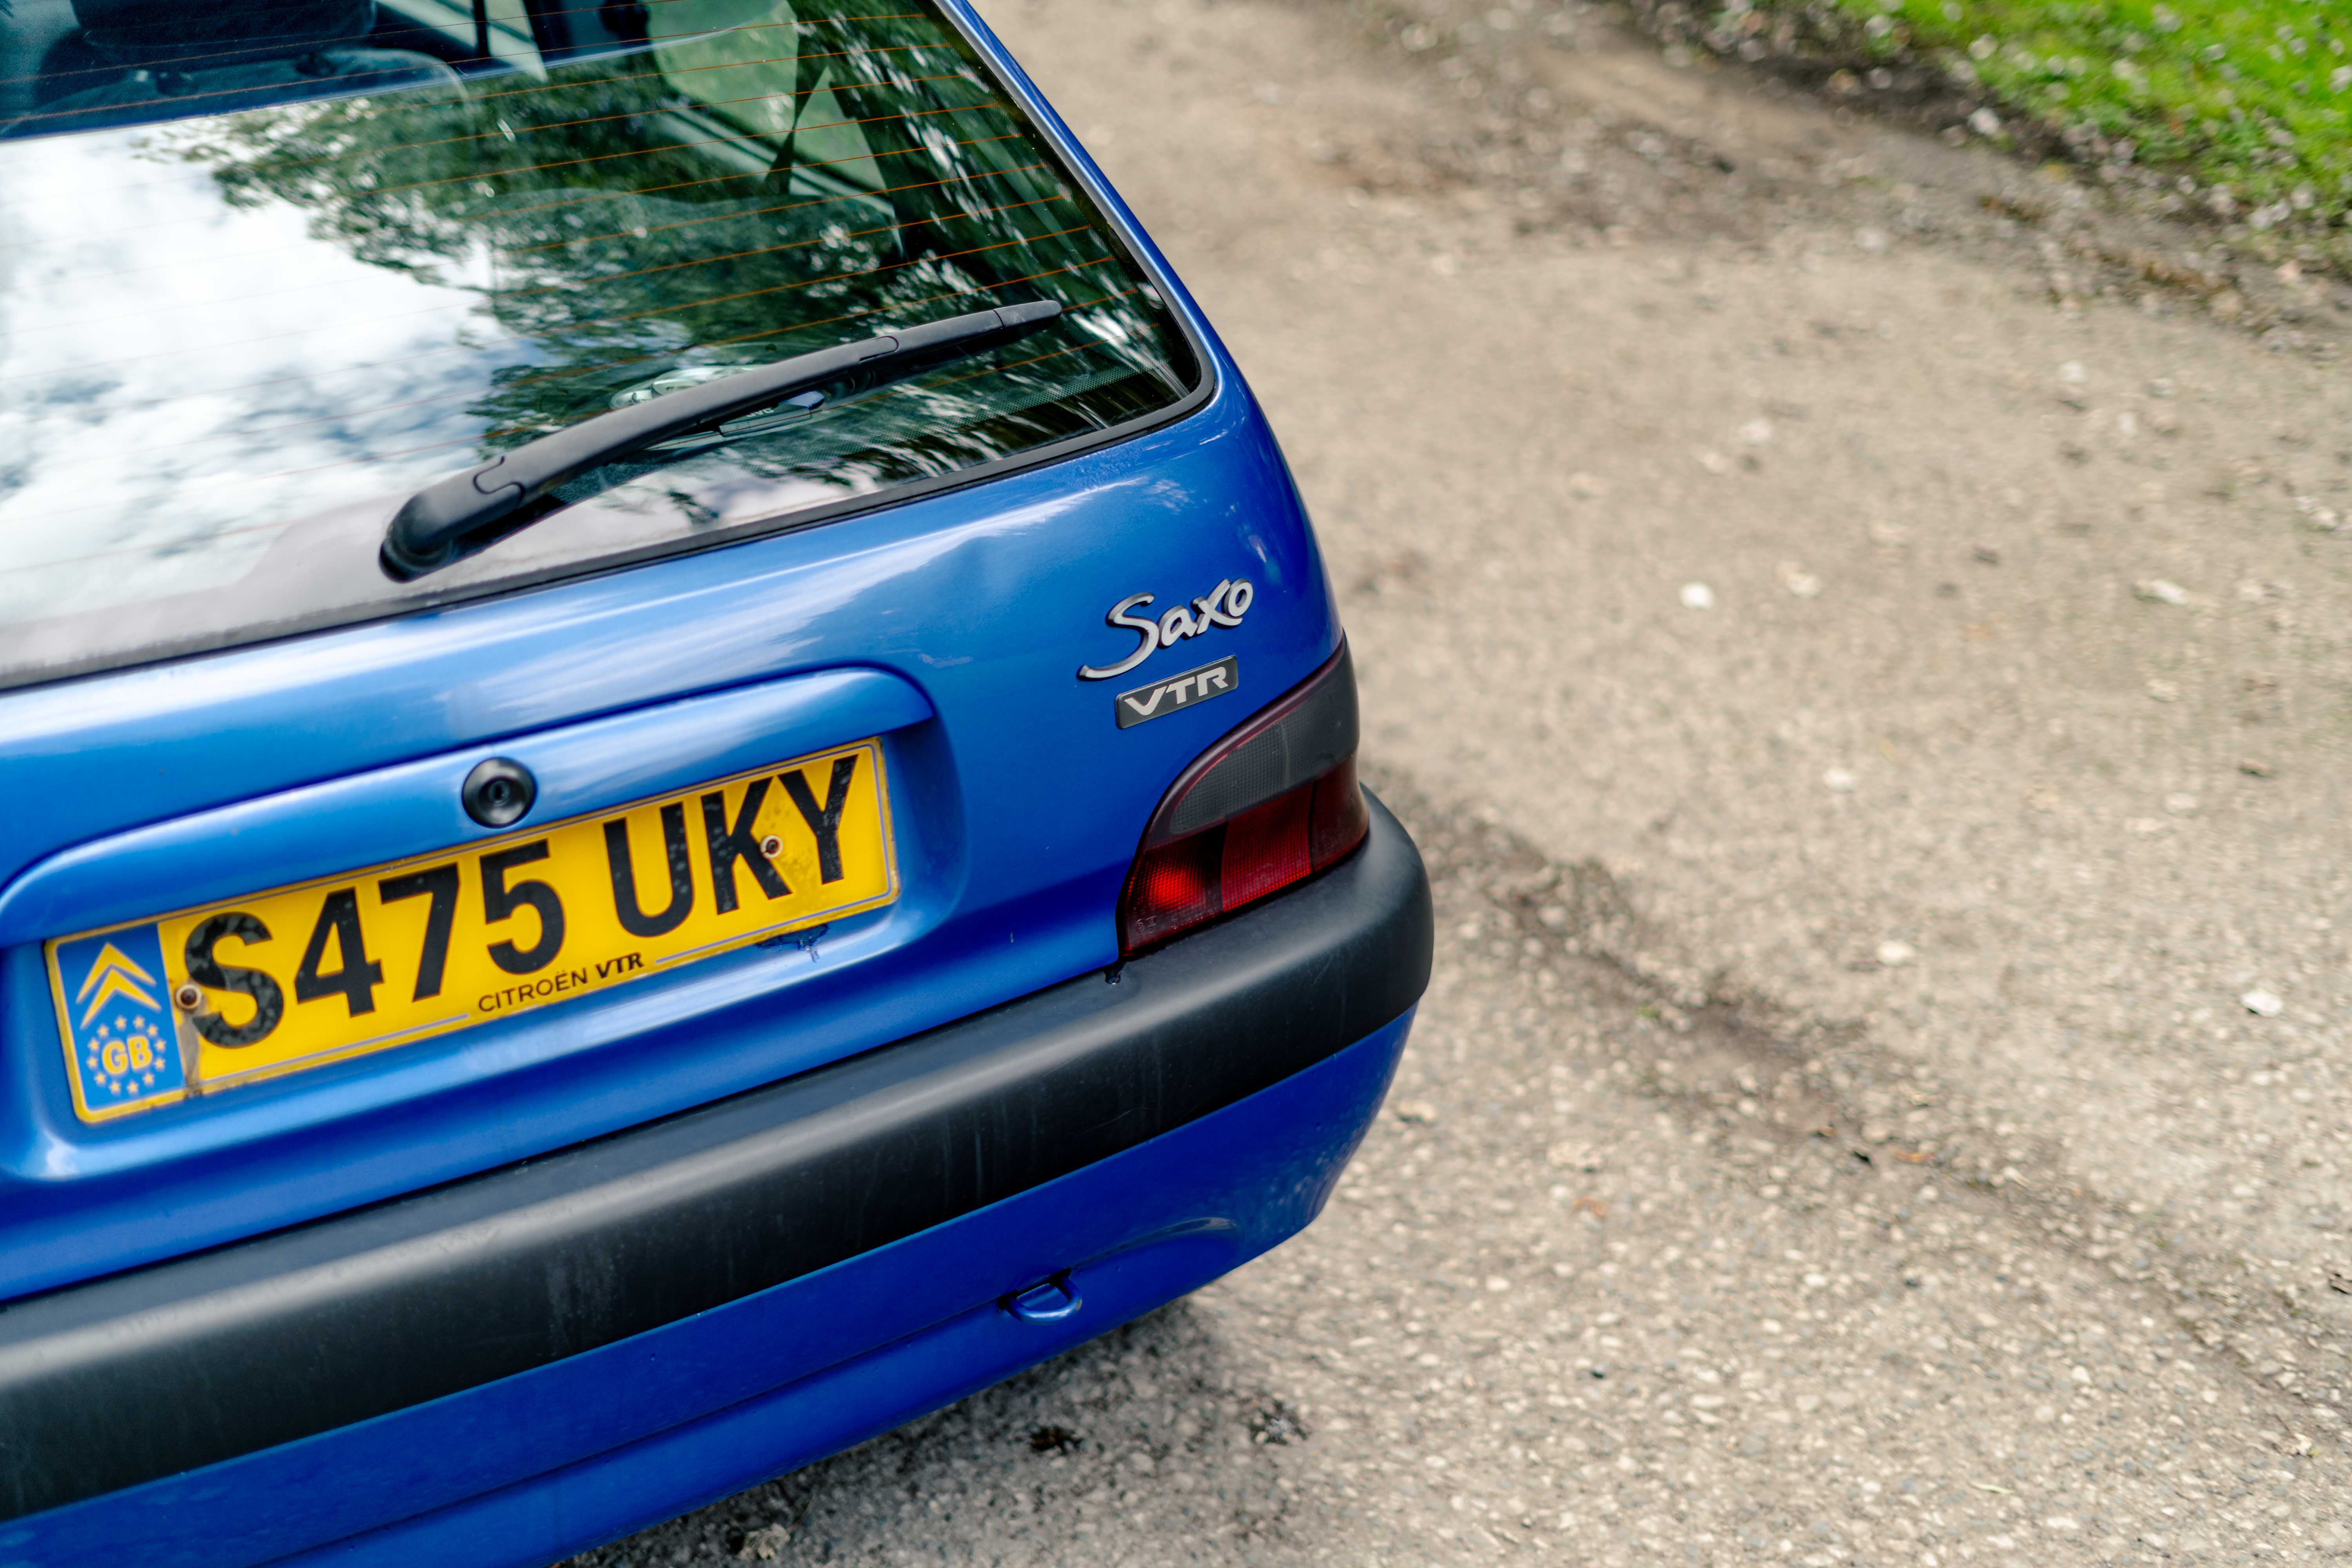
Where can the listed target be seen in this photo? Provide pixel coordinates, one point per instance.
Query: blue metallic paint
(527, 1469)
(383, 814)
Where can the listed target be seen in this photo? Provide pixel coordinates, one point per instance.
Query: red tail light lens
(1270, 804)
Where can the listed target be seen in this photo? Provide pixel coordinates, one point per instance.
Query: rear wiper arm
(452, 517)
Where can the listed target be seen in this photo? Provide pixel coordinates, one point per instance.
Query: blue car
(678, 773)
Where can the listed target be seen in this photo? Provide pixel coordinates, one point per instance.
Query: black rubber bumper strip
(151, 1372)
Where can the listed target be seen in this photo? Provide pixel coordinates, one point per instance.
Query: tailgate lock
(497, 792)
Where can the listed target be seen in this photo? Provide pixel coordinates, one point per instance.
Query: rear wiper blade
(453, 518)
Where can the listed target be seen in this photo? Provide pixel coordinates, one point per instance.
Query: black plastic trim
(148, 1373)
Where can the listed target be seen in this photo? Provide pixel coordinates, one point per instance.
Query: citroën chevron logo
(120, 1044)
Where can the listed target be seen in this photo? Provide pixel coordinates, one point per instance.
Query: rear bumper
(513, 1367)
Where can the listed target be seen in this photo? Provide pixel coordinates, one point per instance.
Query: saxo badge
(115, 1012)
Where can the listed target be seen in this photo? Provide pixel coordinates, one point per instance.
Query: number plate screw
(189, 996)
(771, 845)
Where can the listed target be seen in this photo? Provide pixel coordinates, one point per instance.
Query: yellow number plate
(194, 1002)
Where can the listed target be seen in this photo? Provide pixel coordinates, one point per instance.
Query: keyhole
(499, 791)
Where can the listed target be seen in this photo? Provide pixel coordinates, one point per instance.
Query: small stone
(1894, 955)
(2181, 804)
(1713, 461)
(2323, 518)
(2164, 690)
(1055, 1441)
(2162, 387)
(1871, 239)
(2254, 769)
(763, 1544)
(1584, 487)
(2146, 826)
(1985, 123)
(1698, 596)
(1756, 432)
(2072, 374)
(1839, 780)
(1497, 1283)
(2263, 1004)
(2159, 591)
(1419, 1111)
(1799, 580)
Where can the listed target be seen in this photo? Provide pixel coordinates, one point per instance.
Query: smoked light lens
(1267, 806)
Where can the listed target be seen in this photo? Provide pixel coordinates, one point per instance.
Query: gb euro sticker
(1222, 605)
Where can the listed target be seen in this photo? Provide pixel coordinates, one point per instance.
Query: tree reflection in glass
(533, 250)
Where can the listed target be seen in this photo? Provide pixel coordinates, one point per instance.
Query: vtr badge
(1222, 605)
(120, 1035)
(1177, 691)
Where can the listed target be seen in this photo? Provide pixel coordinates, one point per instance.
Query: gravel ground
(1855, 625)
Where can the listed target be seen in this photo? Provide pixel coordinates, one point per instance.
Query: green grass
(2250, 97)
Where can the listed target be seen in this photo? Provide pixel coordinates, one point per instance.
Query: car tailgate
(949, 628)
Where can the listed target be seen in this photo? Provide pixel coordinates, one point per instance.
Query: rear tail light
(1270, 804)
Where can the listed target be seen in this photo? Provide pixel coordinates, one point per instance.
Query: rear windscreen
(267, 268)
